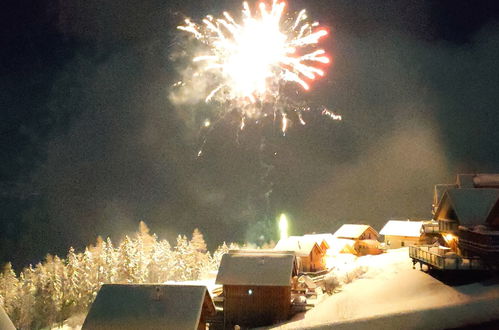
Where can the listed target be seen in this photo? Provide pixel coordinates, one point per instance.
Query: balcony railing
(423, 255)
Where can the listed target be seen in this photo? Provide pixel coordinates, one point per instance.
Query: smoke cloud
(416, 110)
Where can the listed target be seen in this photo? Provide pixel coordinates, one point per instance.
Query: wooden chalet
(470, 215)
(256, 288)
(363, 238)
(150, 306)
(356, 232)
(402, 233)
(310, 256)
(468, 220)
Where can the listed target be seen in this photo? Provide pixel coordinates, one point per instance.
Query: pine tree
(26, 294)
(9, 290)
(185, 260)
(162, 263)
(73, 290)
(127, 263)
(111, 263)
(217, 256)
(198, 242)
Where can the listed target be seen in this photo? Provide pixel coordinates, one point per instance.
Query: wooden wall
(396, 241)
(369, 234)
(317, 260)
(263, 305)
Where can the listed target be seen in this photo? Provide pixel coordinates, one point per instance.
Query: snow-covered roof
(5, 322)
(486, 180)
(319, 238)
(256, 269)
(352, 231)
(402, 228)
(471, 206)
(149, 306)
(301, 245)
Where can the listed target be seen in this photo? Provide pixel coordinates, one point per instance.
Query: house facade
(363, 237)
(256, 288)
(310, 256)
(468, 215)
(356, 232)
(400, 233)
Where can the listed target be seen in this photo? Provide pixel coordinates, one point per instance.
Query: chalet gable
(355, 232)
(468, 207)
(300, 244)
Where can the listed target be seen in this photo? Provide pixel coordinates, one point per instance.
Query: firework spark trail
(249, 61)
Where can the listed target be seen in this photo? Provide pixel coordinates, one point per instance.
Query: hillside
(392, 295)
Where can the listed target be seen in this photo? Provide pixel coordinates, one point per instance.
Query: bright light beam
(283, 226)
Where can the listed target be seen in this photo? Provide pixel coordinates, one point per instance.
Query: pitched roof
(319, 238)
(440, 190)
(256, 269)
(402, 228)
(352, 231)
(149, 306)
(302, 246)
(5, 322)
(471, 206)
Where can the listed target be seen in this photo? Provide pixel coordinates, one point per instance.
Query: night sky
(92, 142)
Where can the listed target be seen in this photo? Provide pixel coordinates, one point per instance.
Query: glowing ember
(251, 59)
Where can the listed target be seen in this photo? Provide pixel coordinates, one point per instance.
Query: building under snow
(150, 306)
(310, 255)
(356, 232)
(400, 233)
(256, 288)
(363, 237)
(467, 213)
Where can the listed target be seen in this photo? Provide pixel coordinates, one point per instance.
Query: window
(402, 243)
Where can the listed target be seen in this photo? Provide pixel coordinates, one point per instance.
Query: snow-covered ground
(392, 295)
(389, 294)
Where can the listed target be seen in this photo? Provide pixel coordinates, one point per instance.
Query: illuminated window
(250, 292)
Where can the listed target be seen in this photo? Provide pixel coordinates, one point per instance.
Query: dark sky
(91, 141)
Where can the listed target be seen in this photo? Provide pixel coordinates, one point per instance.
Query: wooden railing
(443, 262)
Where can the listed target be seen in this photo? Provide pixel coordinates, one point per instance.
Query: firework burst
(249, 60)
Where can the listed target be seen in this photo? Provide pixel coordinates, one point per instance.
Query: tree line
(57, 288)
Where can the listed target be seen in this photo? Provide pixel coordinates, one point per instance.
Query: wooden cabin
(311, 257)
(400, 233)
(256, 288)
(150, 306)
(467, 214)
(363, 247)
(468, 217)
(356, 232)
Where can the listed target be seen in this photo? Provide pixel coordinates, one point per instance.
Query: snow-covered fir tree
(54, 290)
